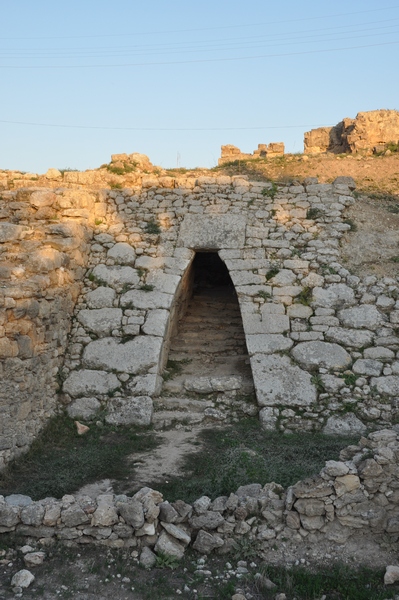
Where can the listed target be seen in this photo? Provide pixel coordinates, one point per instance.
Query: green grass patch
(338, 582)
(244, 454)
(60, 461)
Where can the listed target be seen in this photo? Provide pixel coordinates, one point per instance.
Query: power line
(284, 21)
(156, 129)
(199, 60)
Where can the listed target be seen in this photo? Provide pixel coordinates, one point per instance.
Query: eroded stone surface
(136, 355)
(321, 354)
(278, 381)
(88, 382)
(136, 410)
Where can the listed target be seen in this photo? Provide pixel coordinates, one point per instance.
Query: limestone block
(132, 512)
(87, 382)
(337, 295)
(335, 468)
(136, 355)
(74, 515)
(156, 322)
(42, 199)
(146, 300)
(268, 418)
(116, 276)
(169, 546)
(365, 316)
(133, 410)
(312, 523)
(268, 343)
(122, 253)
(163, 282)
(283, 278)
(391, 574)
(386, 385)
(145, 385)
(206, 542)
(46, 259)
(379, 353)
(212, 232)
(101, 321)
(33, 514)
(34, 559)
(310, 507)
(240, 278)
(287, 290)
(367, 366)
(332, 383)
(349, 337)
(313, 280)
(311, 355)
(106, 514)
(150, 263)
(266, 323)
(8, 348)
(278, 381)
(312, 487)
(84, 408)
(299, 311)
(346, 484)
(9, 516)
(147, 558)
(22, 579)
(207, 520)
(177, 532)
(10, 232)
(347, 424)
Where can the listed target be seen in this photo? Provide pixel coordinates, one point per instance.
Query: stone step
(167, 418)
(181, 404)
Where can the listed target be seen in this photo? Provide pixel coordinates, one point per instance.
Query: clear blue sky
(176, 80)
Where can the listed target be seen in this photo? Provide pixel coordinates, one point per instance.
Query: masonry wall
(323, 343)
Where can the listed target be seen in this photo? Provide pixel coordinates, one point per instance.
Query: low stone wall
(231, 153)
(357, 495)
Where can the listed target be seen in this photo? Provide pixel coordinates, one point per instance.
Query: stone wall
(323, 343)
(351, 498)
(369, 131)
(44, 239)
(231, 153)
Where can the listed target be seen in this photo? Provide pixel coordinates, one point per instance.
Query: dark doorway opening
(208, 337)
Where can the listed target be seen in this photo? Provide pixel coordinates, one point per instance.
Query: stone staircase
(208, 376)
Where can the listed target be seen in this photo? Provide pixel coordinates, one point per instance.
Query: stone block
(101, 321)
(116, 277)
(349, 337)
(212, 232)
(311, 355)
(84, 408)
(146, 300)
(156, 322)
(137, 355)
(279, 382)
(101, 297)
(365, 316)
(135, 410)
(89, 382)
(268, 343)
(347, 424)
(122, 253)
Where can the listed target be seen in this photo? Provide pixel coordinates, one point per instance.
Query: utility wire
(200, 60)
(100, 127)
(284, 21)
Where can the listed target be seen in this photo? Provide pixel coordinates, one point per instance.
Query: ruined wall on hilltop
(231, 153)
(369, 131)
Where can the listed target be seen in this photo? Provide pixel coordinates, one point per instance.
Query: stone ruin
(95, 284)
(370, 132)
(231, 153)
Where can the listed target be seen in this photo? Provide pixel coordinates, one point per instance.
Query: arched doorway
(207, 348)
